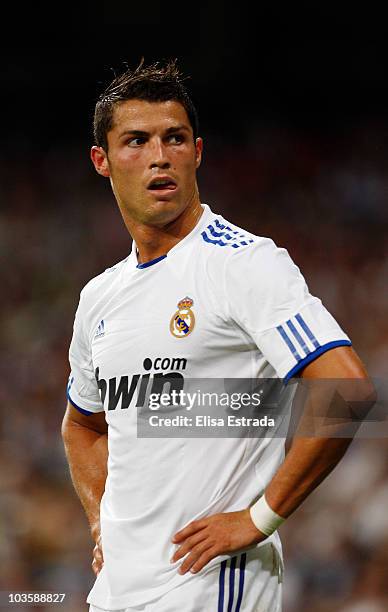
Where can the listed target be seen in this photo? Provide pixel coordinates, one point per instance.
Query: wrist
(264, 518)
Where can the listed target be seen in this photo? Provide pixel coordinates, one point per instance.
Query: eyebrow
(142, 133)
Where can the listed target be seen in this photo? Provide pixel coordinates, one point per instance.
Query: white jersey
(223, 303)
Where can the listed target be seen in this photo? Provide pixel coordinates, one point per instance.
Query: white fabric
(250, 582)
(246, 293)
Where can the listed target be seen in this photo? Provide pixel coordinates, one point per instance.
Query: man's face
(151, 160)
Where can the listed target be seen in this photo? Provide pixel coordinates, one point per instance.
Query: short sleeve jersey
(222, 303)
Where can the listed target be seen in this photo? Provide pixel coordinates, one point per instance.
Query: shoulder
(236, 249)
(258, 275)
(102, 284)
(221, 236)
(241, 267)
(95, 295)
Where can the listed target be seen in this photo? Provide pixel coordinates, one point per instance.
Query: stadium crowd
(323, 197)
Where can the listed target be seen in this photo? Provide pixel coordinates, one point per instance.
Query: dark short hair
(157, 82)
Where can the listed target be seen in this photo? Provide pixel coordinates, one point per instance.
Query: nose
(159, 158)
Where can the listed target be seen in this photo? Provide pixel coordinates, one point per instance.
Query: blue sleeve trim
(312, 356)
(87, 412)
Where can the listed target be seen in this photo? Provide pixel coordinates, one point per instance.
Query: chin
(163, 212)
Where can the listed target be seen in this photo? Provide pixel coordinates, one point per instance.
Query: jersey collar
(203, 220)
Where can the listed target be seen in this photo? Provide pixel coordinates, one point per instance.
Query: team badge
(183, 321)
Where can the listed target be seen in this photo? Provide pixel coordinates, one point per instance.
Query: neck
(153, 242)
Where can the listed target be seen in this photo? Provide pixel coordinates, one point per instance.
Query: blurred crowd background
(300, 159)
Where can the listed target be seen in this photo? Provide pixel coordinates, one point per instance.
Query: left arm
(307, 463)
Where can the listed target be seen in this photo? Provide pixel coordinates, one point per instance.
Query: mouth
(162, 184)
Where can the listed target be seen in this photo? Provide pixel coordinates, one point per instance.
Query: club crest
(183, 320)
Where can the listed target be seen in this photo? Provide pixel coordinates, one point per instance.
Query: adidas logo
(100, 330)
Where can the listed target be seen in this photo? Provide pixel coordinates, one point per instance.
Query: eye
(136, 141)
(176, 138)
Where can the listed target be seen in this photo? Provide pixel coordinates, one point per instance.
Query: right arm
(86, 444)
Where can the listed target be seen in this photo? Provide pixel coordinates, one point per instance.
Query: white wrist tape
(264, 518)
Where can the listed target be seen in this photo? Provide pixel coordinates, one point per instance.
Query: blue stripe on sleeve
(82, 410)
(288, 342)
(312, 356)
(298, 337)
(306, 329)
(71, 380)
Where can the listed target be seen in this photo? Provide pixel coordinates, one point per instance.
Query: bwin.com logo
(118, 392)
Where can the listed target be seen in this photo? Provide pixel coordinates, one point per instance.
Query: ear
(100, 160)
(198, 152)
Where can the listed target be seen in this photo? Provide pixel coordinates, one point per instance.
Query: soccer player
(183, 524)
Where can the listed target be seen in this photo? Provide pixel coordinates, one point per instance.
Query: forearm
(314, 455)
(87, 455)
(310, 459)
(307, 463)
(334, 407)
